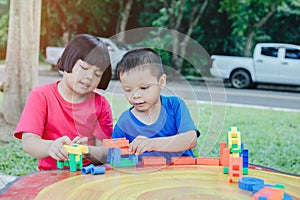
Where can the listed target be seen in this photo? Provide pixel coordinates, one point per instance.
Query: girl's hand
(57, 150)
(141, 144)
(79, 140)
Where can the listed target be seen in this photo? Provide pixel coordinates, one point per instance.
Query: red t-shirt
(48, 115)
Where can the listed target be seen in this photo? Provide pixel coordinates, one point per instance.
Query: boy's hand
(57, 150)
(141, 144)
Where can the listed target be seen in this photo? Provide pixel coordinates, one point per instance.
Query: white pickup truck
(116, 51)
(272, 63)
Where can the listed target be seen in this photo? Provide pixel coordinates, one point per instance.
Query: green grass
(272, 137)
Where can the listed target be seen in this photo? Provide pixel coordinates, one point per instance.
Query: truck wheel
(240, 79)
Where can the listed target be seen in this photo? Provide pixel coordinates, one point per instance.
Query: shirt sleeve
(105, 121)
(33, 116)
(184, 120)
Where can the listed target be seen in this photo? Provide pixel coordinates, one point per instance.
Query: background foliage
(225, 27)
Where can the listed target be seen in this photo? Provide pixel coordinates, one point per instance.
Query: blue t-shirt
(174, 119)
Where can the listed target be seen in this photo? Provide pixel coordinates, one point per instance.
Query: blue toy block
(98, 170)
(116, 155)
(247, 183)
(87, 169)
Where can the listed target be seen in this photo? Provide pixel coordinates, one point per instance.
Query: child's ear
(162, 81)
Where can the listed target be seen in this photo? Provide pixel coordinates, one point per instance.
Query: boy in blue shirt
(155, 125)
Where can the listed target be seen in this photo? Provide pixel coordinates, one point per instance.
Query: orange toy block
(125, 151)
(222, 147)
(151, 161)
(116, 142)
(208, 161)
(185, 160)
(225, 157)
(235, 168)
(270, 193)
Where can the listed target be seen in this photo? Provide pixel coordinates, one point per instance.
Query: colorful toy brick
(154, 161)
(185, 160)
(75, 157)
(235, 168)
(208, 161)
(116, 148)
(247, 183)
(269, 194)
(116, 142)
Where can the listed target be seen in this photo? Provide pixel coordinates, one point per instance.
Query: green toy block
(226, 170)
(60, 164)
(124, 162)
(245, 171)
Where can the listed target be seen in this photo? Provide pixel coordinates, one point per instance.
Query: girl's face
(141, 88)
(84, 77)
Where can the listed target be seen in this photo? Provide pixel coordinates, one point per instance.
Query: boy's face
(141, 88)
(84, 77)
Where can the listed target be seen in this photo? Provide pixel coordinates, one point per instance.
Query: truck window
(292, 53)
(269, 51)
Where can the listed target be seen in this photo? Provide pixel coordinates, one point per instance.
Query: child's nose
(89, 75)
(136, 94)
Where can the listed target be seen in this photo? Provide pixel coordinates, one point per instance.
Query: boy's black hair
(91, 50)
(140, 56)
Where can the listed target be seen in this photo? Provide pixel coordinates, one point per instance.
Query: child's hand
(57, 150)
(79, 140)
(141, 144)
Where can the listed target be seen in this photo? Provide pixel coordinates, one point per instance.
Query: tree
(124, 10)
(22, 55)
(182, 16)
(248, 17)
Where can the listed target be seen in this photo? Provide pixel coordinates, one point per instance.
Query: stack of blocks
(117, 149)
(233, 156)
(75, 157)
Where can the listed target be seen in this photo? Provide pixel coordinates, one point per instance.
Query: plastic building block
(87, 169)
(116, 155)
(153, 161)
(226, 170)
(226, 155)
(98, 170)
(208, 161)
(269, 194)
(124, 162)
(116, 142)
(247, 183)
(222, 146)
(235, 168)
(75, 157)
(185, 160)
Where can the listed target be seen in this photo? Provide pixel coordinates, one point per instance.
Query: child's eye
(145, 88)
(126, 90)
(83, 67)
(98, 74)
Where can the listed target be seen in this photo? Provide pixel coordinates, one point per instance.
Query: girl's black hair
(91, 50)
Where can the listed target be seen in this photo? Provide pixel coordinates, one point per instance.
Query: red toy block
(151, 161)
(125, 151)
(225, 157)
(222, 146)
(235, 168)
(116, 142)
(269, 193)
(185, 160)
(208, 161)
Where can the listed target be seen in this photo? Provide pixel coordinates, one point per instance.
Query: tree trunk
(258, 25)
(125, 12)
(22, 55)
(248, 49)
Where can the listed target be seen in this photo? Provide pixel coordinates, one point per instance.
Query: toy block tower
(75, 157)
(116, 148)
